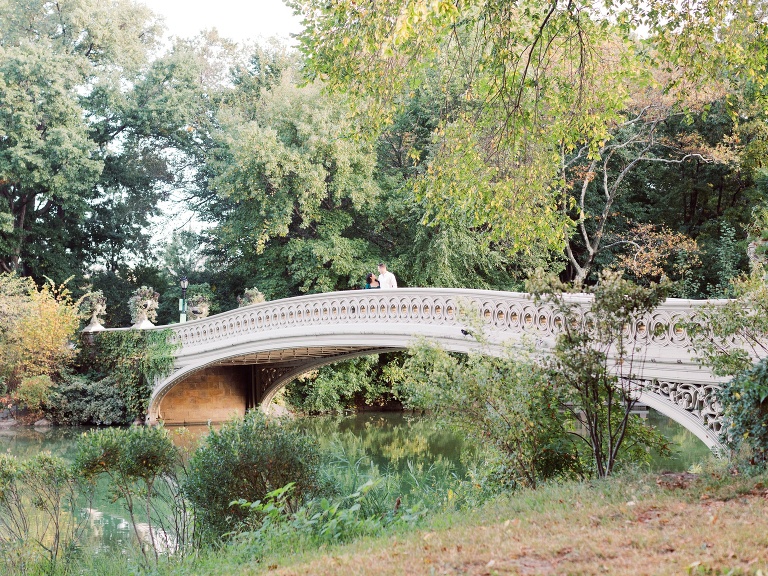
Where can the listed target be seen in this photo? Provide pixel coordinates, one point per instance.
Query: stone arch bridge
(239, 359)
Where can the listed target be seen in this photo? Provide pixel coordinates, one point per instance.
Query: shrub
(39, 525)
(34, 392)
(745, 412)
(732, 338)
(77, 399)
(141, 464)
(320, 521)
(117, 371)
(503, 402)
(247, 459)
(36, 328)
(594, 364)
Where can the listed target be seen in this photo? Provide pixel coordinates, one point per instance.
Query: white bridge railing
(503, 314)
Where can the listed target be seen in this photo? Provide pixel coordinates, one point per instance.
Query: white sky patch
(239, 20)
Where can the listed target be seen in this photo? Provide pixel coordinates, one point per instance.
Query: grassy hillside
(711, 523)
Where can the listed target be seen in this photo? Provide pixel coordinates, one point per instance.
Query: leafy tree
(47, 156)
(491, 159)
(184, 254)
(446, 255)
(699, 199)
(523, 88)
(593, 367)
(726, 259)
(596, 179)
(290, 185)
(93, 132)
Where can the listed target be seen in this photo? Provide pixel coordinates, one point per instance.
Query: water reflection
(687, 449)
(391, 439)
(24, 442)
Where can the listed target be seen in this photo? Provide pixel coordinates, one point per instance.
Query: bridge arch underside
(217, 391)
(216, 387)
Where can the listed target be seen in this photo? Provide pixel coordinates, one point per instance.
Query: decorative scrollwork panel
(699, 400)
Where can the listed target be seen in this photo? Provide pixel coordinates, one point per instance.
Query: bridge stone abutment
(215, 394)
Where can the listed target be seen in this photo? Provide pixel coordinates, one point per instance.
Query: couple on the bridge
(385, 280)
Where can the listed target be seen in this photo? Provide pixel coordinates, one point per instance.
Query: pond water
(390, 441)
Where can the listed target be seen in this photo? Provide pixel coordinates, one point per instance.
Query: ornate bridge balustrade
(265, 346)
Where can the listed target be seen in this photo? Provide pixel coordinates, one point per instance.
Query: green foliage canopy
(290, 184)
(93, 125)
(522, 85)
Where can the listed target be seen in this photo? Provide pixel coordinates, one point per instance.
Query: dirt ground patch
(699, 533)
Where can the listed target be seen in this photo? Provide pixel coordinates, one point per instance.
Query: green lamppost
(184, 283)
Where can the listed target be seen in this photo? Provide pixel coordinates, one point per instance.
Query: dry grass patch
(701, 526)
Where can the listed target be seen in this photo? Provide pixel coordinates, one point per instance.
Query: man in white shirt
(386, 279)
